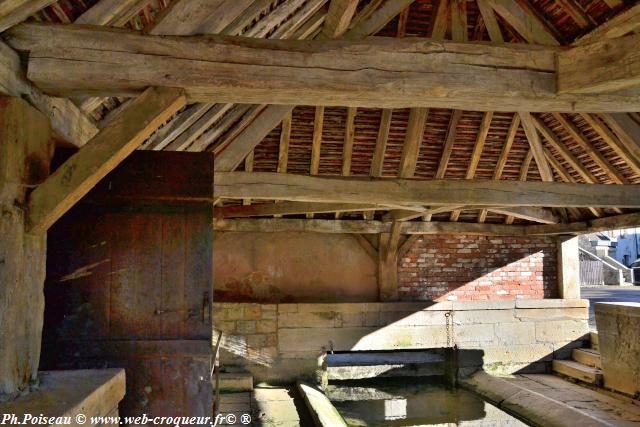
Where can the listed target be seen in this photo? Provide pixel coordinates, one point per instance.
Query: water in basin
(408, 403)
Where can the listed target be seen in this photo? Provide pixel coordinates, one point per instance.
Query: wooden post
(568, 268)
(388, 263)
(25, 153)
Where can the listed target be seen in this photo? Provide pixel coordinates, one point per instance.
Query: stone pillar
(26, 149)
(568, 268)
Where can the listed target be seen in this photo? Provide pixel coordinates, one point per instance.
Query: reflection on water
(393, 403)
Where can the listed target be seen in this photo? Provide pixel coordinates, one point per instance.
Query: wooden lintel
(397, 191)
(75, 178)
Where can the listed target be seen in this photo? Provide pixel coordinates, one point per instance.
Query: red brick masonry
(445, 267)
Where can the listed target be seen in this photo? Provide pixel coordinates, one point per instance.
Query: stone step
(595, 342)
(360, 365)
(578, 371)
(233, 382)
(587, 356)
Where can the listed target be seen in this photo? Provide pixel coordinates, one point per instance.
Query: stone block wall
(279, 343)
(464, 268)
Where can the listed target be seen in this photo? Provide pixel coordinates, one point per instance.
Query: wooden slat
(502, 160)
(309, 15)
(275, 186)
(528, 123)
(525, 23)
(318, 124)
(541, 215)
(236, 151)
(605, 66)
(613, 141)
(459, 25)
(219, 119)
(566, 154)
(452, 132)
(273, 19)
(618, 26)
(347, 148)
(50, 200)
(187, 17)
(412, 142)
(594, 154)
(115, 13)
(377, 164)
(627, 130)
(575, 11)
(248, 167)
(338, 18)
(490, 21)
(476, 154)
(13, 12)
(438, 27)
(285, 136)
(176, 127)
(67, 120)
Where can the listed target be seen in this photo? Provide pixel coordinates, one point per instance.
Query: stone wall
(279, 343)
(446, 267)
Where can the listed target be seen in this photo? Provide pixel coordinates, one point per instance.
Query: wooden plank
(67, 120)
(412, 141)
(615, 222)
(215, 123)
(525, 23)
(605, 66)
(248, 167)
(438, 27)
(115, 13)
(448, 144)
(274, 186)
(187, 17)
(502, 160)
(594, 154)
(235, 152)
(476, 154)
(490, 21)
(376, 72)
(51, 199)
(347, 148)
(283, 152)
(276, 225)
(13, 12)
(618, 26)
(318, 124)
(377, 164)
(176, 127)
(291, 208)
(338, 18)
(537, 149)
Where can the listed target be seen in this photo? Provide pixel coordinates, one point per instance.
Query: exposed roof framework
(571, 121)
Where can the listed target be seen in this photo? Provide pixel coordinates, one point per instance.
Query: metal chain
(448, 316)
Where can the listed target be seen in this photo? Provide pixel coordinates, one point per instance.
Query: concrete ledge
(90, 392)
(322, 410)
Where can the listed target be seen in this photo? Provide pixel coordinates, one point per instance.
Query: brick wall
(445, 267)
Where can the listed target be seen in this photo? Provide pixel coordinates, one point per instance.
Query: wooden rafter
(618, 26)
(292, 208)
(285, 137)
(13, 12)
(452, 132)
(528, 124)
(274, 186)
(525, 23)
(613, 141)
(577, 13)
(594, 154)
(490, 21)
(524, 173)
(476, 154)
(51, 199)
(338, 18)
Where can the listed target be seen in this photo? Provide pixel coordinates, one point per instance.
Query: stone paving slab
(551, 401)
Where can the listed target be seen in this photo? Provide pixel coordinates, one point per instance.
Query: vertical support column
(568, 268)
(388, 263)
(26, 149)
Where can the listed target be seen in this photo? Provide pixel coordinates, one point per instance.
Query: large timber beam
(292, 208)
(618, 26)
(67, 120)
(51, 199)
(13, 12)
(605, 66)
(274, 186)
(375, 72)
(615, 222)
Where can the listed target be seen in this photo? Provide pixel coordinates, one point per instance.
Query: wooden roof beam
(275, 186)
(293, 208)
(338, 18)
(611, 139)
(13, 12)
(618, 26)
(465, 76)
(604, 66)
(71, 181)
(525, 23)
(528, 123)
